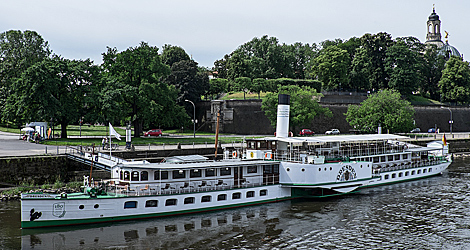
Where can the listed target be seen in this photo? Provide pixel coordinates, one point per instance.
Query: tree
(217, 86)
(18, 51)
(455, 81)
(173, 54)
(375, 48)
(433, 65)
(243, 84)
(133, 78)
(404, 65)
(303, 108)
(52, 89)
(331, 67)
(385, 108)
(188, 80)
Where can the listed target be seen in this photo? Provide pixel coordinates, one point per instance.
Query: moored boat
(268, 169)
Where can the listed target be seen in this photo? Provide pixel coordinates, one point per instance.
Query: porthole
(319, 169)
(361, 166)
(331, 168)
(325, 169)
(303, 169)
(81, 207)
(288, 169)
(96, 206)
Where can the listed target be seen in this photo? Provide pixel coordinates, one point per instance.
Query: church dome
(433, 16)
(448, 50)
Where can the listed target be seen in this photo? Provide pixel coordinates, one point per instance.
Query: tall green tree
(18, 51)
(375, 49)
(385, 108)
(433, 65)
(404, 66)
(217, 86)
(188, 80)
(303, 105)
(53, 89)
(133, 77)
(331, 67)
(243, 84)
(455, 81)
(173, 54)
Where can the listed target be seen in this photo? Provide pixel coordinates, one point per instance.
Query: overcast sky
(208, 30)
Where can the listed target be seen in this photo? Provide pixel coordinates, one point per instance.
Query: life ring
(266, 155)
(234, 154)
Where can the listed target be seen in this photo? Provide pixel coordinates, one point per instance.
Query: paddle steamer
(266, 170)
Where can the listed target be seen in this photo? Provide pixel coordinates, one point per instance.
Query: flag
(113, 132)
(444, 141)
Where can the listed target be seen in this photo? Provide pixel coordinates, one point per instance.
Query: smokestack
(283, 108)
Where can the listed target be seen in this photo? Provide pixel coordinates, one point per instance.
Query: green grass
(420, 100)
(239, 96)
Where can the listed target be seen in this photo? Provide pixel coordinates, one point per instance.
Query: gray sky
(208, 30)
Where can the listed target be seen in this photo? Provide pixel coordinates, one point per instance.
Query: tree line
(370, 63)
(138, 85)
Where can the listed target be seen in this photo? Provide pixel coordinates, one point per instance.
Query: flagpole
(110, 140)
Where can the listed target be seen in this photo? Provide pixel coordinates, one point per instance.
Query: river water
(433, 213)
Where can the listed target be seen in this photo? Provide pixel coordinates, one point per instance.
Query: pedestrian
(103, 142)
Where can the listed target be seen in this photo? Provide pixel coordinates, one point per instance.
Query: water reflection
(424, 214)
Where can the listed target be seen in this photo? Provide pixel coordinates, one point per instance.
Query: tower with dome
(434, 36)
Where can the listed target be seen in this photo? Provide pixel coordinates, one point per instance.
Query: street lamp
(194, 117)
(451, 121)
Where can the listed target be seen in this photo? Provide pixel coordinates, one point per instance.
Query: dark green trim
(54, 223)
(323, 184)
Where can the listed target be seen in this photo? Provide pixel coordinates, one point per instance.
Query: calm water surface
(426, 214)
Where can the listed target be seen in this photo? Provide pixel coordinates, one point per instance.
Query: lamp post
(451, 121)
(194, 117)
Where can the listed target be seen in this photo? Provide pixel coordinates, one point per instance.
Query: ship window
(225, 171)
(221, 197)
(400, 174)
(121, 177)
(179, 174)
(263, 192)
(394, 175)
(96, 206)
(430, 169)
(413, 172)
(144, 176)
(126, 175)
(250, 194)
(130, 204)
(195, 173)
(375, 159)
(170, 202)
(319, 169)
(210, 172)
(275, 169)
(163, 174)
(397, 157)
(81, 207)
(386, 177)
(288, 169)
(135, 176)
(390, 158)
(424, 171)
(151, 203)
(206, 198)
(419, 171)
(189, 200)
(382, 158)
(236, 196)
(405, 156)
(407, 173)
(251, 169)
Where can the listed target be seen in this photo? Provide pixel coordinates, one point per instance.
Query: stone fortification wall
(249, 119)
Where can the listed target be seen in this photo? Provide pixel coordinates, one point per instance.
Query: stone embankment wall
(249, 119)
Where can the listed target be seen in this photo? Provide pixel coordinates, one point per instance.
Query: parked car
(306, 132)
(332, 132)
(415, 130)
(432, 130)
(153, 132)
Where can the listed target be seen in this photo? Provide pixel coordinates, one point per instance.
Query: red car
(153, 132)
(306, 132)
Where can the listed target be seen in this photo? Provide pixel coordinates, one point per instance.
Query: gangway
(98, 160)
